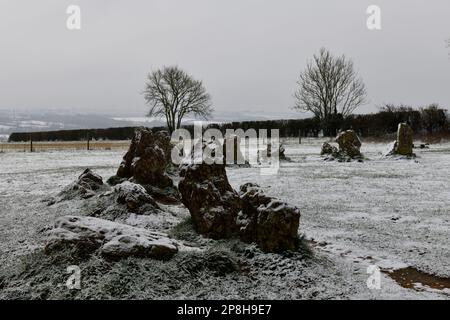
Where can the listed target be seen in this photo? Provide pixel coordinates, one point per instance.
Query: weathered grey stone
(403, 146)
(270, 223)
(113, 240)
(251, 198)
(281, 153)
(349, 143)
(328, 149)
(404, 140)
(86, 186)
(133, 196)
(211, 200)
(147, 158)
(219, 212)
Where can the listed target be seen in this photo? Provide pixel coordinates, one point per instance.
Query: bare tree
(173, 94)
(329, 86)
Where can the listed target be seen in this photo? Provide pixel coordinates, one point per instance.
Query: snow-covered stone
(86, 186)
(348, 148)
(133, 196)
(112, 239)
(328, 149)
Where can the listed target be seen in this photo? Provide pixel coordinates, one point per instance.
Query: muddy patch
(412, 278)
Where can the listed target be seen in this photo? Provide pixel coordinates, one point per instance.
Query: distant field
(63, 145)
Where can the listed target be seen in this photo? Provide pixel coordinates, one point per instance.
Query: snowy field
(394, 214)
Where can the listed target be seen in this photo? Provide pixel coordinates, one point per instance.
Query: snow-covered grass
(386, 212)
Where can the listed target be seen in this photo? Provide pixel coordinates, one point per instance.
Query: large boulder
(349, 143)
(270, 223)
(219, 212)
(211, 200)
(111, 239)
(147, 158)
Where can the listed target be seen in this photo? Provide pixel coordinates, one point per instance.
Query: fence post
(88, 138)
(31, 142)
(299, 136)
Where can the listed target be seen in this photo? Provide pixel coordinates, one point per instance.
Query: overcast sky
(247, 52)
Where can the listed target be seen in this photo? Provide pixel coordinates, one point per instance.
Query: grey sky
(248, 52)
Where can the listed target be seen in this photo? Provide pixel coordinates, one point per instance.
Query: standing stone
(266, 155)
(349, 143)
(219, 212)
(211, 200)
(251, 198)
(270, 223)
(281, 154)
(403, 146)
(404, 140)
(147, 158)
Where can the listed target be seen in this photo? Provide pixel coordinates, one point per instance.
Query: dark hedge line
(123, 133)
(426, 120)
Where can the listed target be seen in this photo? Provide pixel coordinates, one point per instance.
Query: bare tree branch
(329, 86)
(172, 93)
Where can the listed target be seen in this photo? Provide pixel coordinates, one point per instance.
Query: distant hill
(11, 121)
(36, 121)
